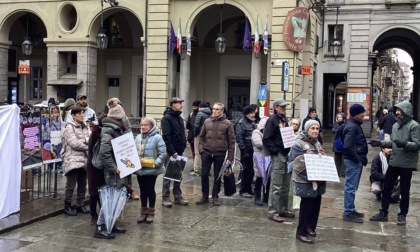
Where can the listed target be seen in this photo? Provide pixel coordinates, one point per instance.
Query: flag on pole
(247, 36)
(172, 40)
(265, 37)
(189, 43)
(256, 39)
(179, 38)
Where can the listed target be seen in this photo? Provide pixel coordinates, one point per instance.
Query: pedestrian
(257, 113)
(90, 115)
(217, 140)
(68, 105)
(405, 144)
(309, 191)
(338, 155)
(173, 133)
(295, 124)
(280, 179)
(257, 144)
(150, 146)
(381, 124)
(113, 126)
(243, 130)
(313, 114)
(75, 146)
(387, 122)
(204, 112)
(379, 113)
(355, 157)
(378, 171)
(192, 140)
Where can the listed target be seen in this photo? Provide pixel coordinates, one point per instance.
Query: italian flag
(179, 38)
(256, 39)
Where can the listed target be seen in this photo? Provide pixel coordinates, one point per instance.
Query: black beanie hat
(356, 109)
(203, 104)
(196, 103)
(248, 110)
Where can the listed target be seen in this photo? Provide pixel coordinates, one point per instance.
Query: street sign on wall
(285, 77)
(24, 67)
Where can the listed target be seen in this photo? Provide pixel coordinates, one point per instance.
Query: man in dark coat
(192, 140)
(386, 123)
(243, 130)
(355, 157)
(173, 133)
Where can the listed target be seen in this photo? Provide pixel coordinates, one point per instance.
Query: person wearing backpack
(338, 155)
(355, 157)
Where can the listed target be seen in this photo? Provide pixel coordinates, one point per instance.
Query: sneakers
(401, 220)
(381, 216)
(182, 202)
(246, 195)
(360, 215)
(166, 203)
(352, 218)
(216, 202)
(202, 200)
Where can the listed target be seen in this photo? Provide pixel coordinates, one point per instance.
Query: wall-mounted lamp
(27, 44)
(102, 38)
(220, 43)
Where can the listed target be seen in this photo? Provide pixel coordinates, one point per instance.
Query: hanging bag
(229, 182)
(147, 162)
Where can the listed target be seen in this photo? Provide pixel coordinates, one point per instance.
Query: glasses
(216, 108)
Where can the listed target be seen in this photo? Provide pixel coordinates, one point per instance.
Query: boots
(101, 233)
(133, 195)
(69, 210)
(258, 185)
(143, 214)
(150, 215)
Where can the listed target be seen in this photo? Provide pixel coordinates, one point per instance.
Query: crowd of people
(212, 139)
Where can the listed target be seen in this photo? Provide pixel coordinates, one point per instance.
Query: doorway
(238, 97)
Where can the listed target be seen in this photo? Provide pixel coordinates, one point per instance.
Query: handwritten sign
(125, 153)
(288, 136)
(321, 168)
(55, 137)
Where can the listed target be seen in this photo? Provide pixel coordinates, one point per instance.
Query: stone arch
(11, 18)
(375, 38)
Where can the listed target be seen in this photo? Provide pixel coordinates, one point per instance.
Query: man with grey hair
(280, 179)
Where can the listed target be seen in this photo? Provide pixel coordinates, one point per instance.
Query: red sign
(294, 28)
(306, 70)
(24, 69)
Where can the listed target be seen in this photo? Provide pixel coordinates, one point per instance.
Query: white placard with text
(126, 155)
(321, 168)
(288, 136)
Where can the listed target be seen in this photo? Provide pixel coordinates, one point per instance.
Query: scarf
(384, 162)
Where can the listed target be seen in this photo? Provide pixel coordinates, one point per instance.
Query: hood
(206, 110)
(109, 122)
(406, 107)
(261, 124)
(153, 131)
(172, 112)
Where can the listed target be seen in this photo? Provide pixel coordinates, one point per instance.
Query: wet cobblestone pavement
(236, 225)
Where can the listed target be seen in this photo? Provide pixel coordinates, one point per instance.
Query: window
(334, 32)
(36, 83)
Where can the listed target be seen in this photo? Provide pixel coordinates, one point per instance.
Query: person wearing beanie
(243, 130)
(313, 114)
(280, 180)
(259, 164)
(204, 112)
(192, 140)
(310, 192)
(173, 133)
(113, 126)
(355, 157)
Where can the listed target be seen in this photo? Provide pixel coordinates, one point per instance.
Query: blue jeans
(381, 134)
(353, 173)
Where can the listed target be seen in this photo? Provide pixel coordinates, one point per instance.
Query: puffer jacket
(199, 120)
(257, 143)
(217, 137)
(243, 130)
(110, 129)
(302, 187)
(173, 132)
(75, 146)
(151, 145)
(354, 141)
(406, 129)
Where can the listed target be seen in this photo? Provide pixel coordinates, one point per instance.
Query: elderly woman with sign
(309, 191)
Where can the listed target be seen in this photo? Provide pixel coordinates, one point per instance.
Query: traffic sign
(23, 69)
(306, 70)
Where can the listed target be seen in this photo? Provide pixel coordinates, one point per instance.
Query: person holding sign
(152, 151)
(280, 179)
(309, 191)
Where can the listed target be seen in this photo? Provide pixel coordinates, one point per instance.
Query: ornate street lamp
(220, 43)
(27, 44)
(102, 38)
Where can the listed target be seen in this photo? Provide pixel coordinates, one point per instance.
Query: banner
(126, 155)
(30, 138)
(51, 134)
(10, 160)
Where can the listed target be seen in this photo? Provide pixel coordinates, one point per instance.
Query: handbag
(147, 162)
(229, 182)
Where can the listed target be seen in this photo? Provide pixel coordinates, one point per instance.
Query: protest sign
(126, 155)
(321, 168)
(288, 136)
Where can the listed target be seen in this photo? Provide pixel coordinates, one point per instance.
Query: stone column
(4, 54)
(87, 71)
(184, 85)
(255, 78)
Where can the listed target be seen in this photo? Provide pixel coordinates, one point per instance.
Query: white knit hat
(116, 111)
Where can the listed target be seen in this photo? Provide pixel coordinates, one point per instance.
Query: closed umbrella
(113, 200)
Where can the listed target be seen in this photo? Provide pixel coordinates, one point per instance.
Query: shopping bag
(229, 182)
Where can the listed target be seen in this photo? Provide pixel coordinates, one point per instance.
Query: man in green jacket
(405, 144)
